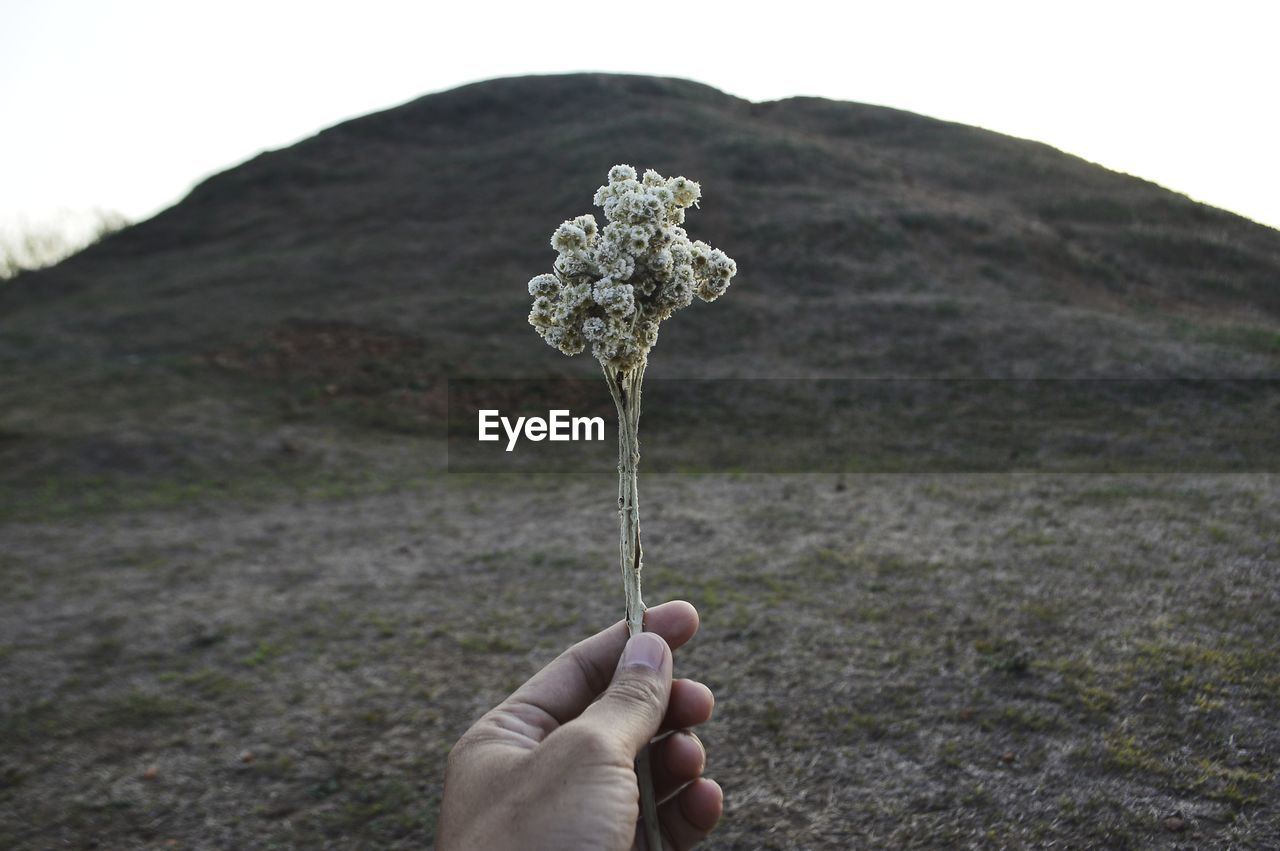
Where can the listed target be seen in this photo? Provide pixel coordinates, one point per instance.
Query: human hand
(552, 767)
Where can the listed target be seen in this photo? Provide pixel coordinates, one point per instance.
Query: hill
(872, 241)
(341, 279)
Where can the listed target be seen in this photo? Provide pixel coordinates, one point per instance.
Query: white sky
(125, 105)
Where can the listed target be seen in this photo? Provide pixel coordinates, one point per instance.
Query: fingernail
(645, 650)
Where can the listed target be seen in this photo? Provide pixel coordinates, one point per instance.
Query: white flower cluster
(612, 287)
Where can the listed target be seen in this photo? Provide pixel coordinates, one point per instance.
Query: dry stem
(625, 387)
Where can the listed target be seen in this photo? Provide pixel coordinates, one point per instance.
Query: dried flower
(544, 285)
(640, 267)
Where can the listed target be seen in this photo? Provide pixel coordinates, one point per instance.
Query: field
(899, 661)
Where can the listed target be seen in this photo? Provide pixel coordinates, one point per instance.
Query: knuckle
(458, 755)
(596, 675)
(588, 740)
(648, 692)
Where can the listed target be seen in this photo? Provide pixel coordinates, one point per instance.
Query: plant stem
(625, 387)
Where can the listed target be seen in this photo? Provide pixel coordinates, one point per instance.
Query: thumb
(631, 708)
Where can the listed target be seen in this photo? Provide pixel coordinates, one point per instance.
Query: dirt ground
(1000, 661)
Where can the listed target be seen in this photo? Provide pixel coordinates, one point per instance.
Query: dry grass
(904, 661)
